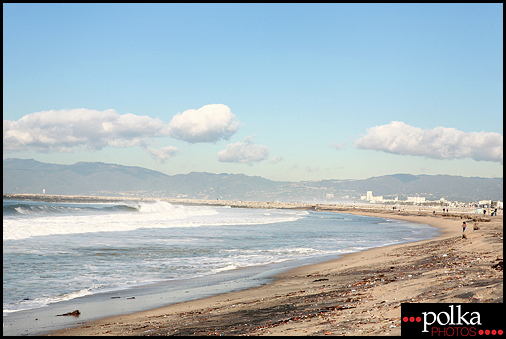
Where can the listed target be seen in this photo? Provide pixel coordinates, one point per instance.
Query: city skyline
(283, 91)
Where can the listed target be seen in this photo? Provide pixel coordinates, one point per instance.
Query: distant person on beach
(463, 230)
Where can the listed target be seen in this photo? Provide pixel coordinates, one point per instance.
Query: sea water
(54, 252)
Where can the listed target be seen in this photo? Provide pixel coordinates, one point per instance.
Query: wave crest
(25, 221)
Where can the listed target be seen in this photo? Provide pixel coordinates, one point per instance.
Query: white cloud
(163, 154)
(312, 169)
(337, 146)
(276, 159)
(63, 130)
(209, 123)
(244, 152)
(437, 143)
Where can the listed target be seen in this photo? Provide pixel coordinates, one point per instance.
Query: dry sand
(357, 294)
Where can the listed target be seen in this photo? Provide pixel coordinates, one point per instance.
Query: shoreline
(359, 293)
(356, 294)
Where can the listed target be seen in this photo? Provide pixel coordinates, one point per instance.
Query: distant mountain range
(101, 179)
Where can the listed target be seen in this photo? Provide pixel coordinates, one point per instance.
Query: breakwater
(463, 213)
(106, 199)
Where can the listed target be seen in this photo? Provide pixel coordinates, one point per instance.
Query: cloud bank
(61, 131)
(64, 130)
(209, 123)
(244, 152)
(437, 143)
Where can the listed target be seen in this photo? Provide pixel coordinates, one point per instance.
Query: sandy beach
(357, 294)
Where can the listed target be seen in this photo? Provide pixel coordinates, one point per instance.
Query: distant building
(369, 197)
(329, 196)
(485, 202)
(416, 200)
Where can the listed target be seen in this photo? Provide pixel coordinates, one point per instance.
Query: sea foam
(53, 219)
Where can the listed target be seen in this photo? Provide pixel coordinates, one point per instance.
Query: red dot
(405, 319)
(480, 332)
(499, 332)
(418, 319)
(412, 319)
(494, 332)
(487, 332)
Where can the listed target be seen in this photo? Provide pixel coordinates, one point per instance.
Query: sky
(290, 92)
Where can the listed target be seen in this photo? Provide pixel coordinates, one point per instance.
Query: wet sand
(357, 294)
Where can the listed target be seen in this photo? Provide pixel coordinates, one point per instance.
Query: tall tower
(369, 195)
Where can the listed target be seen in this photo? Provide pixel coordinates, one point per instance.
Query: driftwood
(498, 266)
(74, 313)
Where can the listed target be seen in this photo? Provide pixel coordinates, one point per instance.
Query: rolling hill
(102, 179)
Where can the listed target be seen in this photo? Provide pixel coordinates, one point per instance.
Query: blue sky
(284, 91)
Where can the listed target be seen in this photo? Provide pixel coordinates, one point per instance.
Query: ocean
(60, 252)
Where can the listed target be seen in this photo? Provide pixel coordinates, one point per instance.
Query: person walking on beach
(463, 229)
